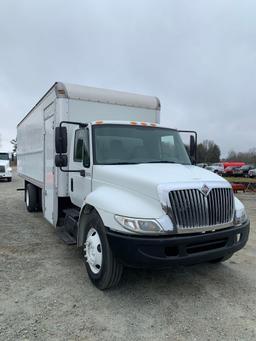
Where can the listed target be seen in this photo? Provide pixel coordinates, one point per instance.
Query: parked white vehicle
(122, 187)
(217, 168)
(202, 165)
(5, 169)
(252, 173)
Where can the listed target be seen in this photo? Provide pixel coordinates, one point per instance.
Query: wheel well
(87, 209)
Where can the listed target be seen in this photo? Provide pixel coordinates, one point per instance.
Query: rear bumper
(141, 251)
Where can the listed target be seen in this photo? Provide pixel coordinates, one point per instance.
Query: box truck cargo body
(122, 187)
(35, 134)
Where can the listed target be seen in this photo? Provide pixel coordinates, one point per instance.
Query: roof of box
(86, 93)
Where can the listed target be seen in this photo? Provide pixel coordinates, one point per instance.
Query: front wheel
(9, 179)
(102, 267)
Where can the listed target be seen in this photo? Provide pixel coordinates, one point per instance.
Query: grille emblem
(205, 190)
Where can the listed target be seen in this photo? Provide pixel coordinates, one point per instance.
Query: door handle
(72, 184)
(82, 172)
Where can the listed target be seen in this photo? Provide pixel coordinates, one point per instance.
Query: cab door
(80, 183)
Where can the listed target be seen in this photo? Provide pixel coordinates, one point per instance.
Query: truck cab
(142, 203)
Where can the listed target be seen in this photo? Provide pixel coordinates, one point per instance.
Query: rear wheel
(9, 179)
(31, 198)
(221, 259)
(103, 268)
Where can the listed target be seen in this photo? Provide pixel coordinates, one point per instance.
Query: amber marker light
(133, 123)
(98, 122)
(61, 91)
(153, 124)
(144, 124)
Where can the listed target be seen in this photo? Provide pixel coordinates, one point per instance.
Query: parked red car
(229, 171)
(233, 164)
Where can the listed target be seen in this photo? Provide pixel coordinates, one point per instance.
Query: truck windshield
(4, 156)
(129, 144)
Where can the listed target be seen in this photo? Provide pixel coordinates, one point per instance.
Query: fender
(108, 201)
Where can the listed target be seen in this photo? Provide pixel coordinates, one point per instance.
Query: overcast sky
(198, 57)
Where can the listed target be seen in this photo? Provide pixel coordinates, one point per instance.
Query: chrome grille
(2, 169)
(190, 208)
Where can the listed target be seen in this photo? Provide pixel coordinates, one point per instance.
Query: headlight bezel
(136, 225)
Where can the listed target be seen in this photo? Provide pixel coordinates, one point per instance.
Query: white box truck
(116, 183)
(5, 167)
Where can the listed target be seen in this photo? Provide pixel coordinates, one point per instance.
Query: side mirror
(61, 139)
(61, 160)
(192, 145)
(192, 149)
(86, 158)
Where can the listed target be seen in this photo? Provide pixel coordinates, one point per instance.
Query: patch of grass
(240, 179)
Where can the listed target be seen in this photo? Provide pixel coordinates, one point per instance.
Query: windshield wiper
(122, 163)
(160, 161)
(137, 163)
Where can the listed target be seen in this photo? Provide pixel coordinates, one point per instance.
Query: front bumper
(5, 175)
(141, 251)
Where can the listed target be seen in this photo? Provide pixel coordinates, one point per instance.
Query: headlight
(139, 225)
(240, 217)
(9, 169)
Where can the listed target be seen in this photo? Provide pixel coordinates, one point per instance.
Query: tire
(31, 198)
(102, 267)
(39, 200)
(9, 179)
(221, 259)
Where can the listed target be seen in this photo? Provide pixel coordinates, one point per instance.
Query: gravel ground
(45, 293)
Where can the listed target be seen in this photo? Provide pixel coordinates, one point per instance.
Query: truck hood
(147, 179)
(4, 163)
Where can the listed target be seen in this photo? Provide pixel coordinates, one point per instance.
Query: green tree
(14, 144)
(247, 157)
(208, 152)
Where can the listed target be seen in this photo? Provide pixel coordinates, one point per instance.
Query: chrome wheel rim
(93, 251)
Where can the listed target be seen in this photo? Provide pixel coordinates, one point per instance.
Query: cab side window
(81, 147)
